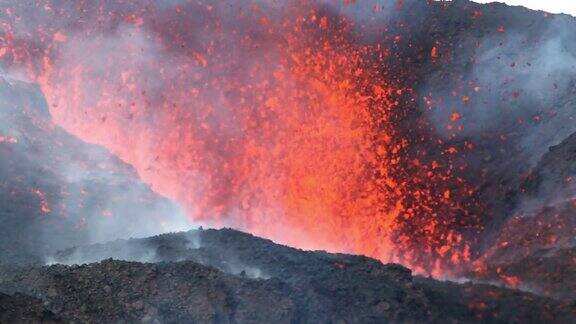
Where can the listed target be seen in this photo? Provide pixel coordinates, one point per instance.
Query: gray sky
(553, 6)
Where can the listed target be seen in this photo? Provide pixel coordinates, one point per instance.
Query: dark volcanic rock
(305, 286)
(20, 308)
(488, 304)
(553, 180)
(325, 287)
(185, 292)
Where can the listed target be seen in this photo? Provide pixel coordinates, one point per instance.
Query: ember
(44, 207)
(10, 140)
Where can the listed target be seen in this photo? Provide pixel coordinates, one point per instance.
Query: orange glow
(281, 125)
(511, 281)
(434, 52)
(455, 116)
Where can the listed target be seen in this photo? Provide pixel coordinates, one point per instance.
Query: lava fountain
(272, 118)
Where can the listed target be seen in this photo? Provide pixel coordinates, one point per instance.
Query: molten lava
(279, 121)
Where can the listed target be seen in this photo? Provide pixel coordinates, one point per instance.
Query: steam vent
(286, 161)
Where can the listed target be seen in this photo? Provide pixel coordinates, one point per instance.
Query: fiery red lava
(275, 120)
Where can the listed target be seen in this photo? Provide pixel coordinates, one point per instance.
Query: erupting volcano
(433, 134)
(282, 121)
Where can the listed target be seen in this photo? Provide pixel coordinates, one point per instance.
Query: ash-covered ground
(68, 208)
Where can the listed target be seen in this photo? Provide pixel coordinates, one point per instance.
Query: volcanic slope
(536, 248)
(226, 276)
(57, 191)
(498, 84)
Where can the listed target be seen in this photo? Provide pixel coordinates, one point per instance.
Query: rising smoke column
(273, 118)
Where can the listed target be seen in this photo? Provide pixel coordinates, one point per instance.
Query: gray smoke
(513, 89)
(173, 247)
(58, 191)
(518, 83)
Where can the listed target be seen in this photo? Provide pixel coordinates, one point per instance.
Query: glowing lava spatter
(274, 120)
